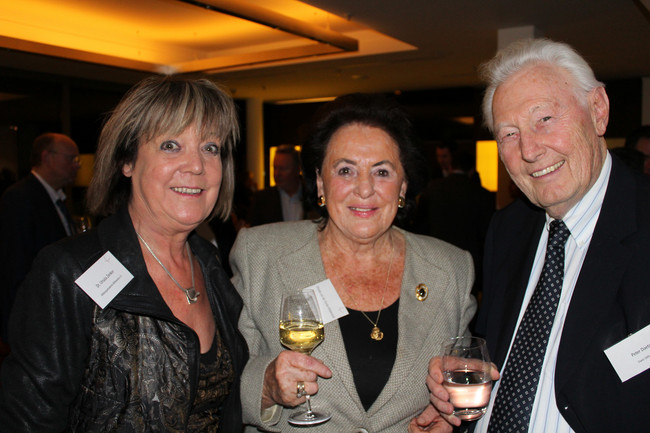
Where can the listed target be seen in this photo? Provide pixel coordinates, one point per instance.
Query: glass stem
(309, 413)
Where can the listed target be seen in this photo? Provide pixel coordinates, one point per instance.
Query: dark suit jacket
(28, 222)
(266, 207)
(611, 300)
(458, 210)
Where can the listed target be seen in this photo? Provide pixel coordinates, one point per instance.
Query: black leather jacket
(143, 371)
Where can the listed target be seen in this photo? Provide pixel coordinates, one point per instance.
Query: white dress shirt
(581, 221)
(291, 205)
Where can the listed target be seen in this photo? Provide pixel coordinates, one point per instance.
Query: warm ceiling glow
(175, 36)
(487, 164)
(305, 100)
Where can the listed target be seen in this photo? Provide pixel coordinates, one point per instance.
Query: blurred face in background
(61, 161)
(286, 173)
(443, 156)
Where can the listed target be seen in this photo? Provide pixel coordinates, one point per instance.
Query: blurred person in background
(639, 139)
(286, 200)
(33, 213)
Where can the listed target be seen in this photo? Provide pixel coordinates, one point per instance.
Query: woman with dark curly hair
(404, 293)
(133, 326)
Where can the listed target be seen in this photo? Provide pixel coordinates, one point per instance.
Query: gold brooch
(421, 292)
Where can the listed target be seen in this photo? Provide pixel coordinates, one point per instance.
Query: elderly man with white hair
(569, 338)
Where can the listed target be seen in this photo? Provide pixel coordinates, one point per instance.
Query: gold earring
(401, 202)
(321, 201)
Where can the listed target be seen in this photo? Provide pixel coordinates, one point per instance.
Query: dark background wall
(435, 116)
(34, 103)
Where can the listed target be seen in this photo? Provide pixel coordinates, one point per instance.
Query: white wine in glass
(301, 330)
(301, 335)
(466, 372)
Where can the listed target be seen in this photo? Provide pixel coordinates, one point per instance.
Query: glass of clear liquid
(466, 371)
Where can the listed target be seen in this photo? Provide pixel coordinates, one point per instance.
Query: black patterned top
(216, 376)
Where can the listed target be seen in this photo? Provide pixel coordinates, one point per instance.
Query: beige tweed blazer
(273, 259)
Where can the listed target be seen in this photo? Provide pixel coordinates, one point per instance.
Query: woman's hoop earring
(321, 201)
(401, 202)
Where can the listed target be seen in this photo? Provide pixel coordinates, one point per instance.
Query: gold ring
(300, 389)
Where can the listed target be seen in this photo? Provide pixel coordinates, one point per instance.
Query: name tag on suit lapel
(631, 356)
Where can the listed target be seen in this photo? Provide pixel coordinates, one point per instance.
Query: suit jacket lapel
(601, 272)
(416, 320)
(276, 205)
(523, 243)
(303, 268)
(51, 215)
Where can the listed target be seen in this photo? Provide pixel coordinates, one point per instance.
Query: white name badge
(330, 305)
(104, 279)
(631, 356)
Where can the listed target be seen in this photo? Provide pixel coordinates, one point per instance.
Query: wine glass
(83, 223)
(466, 376)
(301, 330)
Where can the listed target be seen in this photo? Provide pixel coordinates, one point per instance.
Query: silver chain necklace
(191, 294)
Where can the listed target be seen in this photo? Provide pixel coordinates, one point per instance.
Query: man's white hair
(527, 52)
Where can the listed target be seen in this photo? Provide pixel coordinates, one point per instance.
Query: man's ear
(599, 108)
(45, 156)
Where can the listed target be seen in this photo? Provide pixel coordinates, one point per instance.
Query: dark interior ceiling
(452, 38)
(437, 81)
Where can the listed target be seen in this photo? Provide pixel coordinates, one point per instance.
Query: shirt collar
(296, 197)
(581, 218)
(54, 194)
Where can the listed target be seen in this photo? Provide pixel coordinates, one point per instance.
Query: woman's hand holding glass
(293, 374)
(283, 374)
(301, 330)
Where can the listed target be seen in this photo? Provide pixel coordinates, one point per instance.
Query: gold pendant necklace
(190, 294)
(376, 333)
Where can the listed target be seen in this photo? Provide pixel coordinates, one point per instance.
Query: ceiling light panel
(176, 35)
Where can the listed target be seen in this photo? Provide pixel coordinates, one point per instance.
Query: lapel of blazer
(602, 271)
(50, 215)
(275, 207)
(419, 326)
(510, 274)
(302, 268)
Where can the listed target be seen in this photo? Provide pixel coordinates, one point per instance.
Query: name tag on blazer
(104, 279)
(631, 356)
(329, 303)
